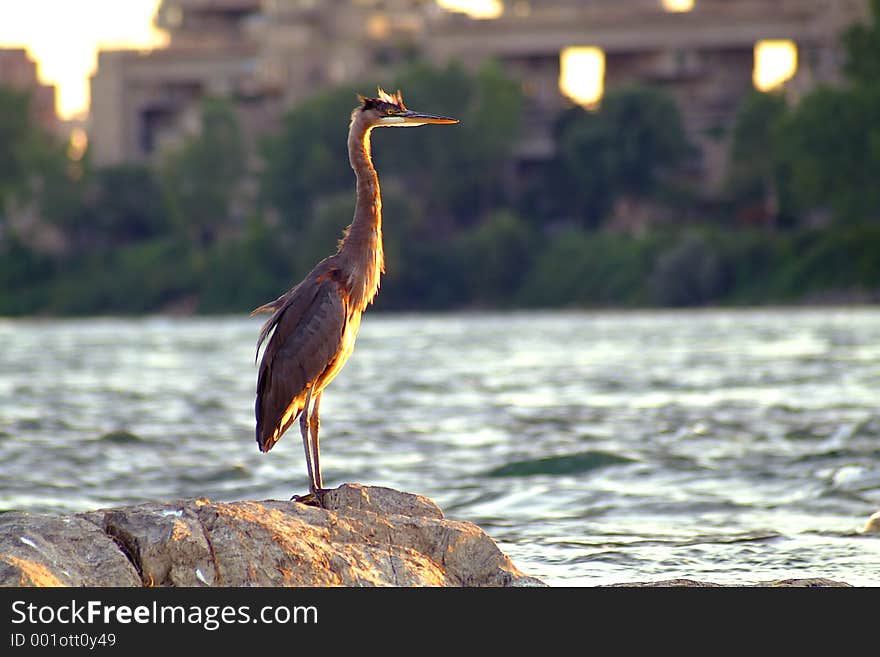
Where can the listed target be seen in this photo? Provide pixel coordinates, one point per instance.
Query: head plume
(383, 100)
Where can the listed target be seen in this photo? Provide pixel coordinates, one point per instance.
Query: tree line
(221, 225)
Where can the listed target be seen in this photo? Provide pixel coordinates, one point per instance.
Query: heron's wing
(307, 338)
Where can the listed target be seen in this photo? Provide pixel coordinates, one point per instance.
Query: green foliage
(101, 210)
(457, 232)
(830, 143)
(136, 279)
(22, 273)
(840, 261)
(16, 136)
(862, 45)
(34, 167)
(309, 158)
(495, 258)
(692, 272)
(753, 134)
(202, 178)
(830, 148)
(623, 149)
(584, 268)
(454, 172)
(239, 275)
(755, 175)
(127, 205)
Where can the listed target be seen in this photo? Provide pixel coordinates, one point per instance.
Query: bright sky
(64, 36)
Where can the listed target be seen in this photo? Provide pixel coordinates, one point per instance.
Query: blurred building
(19, 71)
(143, 100)
(269, 53)
(306, 45)
(704, 55)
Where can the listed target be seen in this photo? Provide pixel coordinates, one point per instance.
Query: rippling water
(733, 446)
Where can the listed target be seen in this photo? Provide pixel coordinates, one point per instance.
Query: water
(731, 446)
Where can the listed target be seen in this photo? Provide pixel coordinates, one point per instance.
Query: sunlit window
(678, 5)
(77, 145)
(474, 8)
(378, 27)
(582, 74)
(775, 63)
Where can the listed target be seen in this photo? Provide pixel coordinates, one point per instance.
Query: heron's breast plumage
(346, 347)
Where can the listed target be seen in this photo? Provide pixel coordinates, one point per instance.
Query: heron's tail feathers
(268, 435)
(270, 307)
(267, 443)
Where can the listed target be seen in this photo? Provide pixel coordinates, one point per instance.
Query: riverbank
(366, 536)
(666, 266)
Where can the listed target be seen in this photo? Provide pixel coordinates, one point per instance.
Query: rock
(872, 525)
(366, 536)
(811, 582)
(45, 550)
(807, 582)
(666, 582)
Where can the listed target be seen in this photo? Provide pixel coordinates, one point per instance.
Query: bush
(580, 268)
(692, 272)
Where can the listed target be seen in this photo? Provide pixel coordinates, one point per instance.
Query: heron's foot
(315, 497)
(308, 499)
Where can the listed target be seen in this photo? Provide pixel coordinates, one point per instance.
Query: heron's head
(388, 111)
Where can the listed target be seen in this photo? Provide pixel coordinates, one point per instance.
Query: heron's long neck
(361, 248)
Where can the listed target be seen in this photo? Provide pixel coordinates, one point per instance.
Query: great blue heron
(314, 325)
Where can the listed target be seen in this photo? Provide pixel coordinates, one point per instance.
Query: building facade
(144, 101)
(268, 53)
(19, 71)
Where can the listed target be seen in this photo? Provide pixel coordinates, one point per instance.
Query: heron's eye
(389, 112)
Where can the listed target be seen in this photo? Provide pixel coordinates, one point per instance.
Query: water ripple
(594, 447)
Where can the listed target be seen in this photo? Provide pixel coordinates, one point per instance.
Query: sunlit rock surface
(872, 525)
(366, 536)
(805, 582)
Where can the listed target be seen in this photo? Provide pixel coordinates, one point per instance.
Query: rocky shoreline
(365, 536)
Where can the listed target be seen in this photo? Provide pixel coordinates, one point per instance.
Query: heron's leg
(315, 425)
(304, 430)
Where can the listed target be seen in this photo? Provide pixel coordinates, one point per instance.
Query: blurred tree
(830, 148)
(862, 45)
(458, 176)
(36, 172)
(753, 177)
(127, 205)
(623, 149)
(16, 135)
(455, 177)
(829, 145)
(495, 258)
(691, 272)
(203, 178)
(23, 273)
(579, 267)
(309, 158)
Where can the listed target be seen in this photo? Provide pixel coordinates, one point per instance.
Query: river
(734, 446)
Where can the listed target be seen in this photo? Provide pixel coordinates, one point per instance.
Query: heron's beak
(412, 119)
